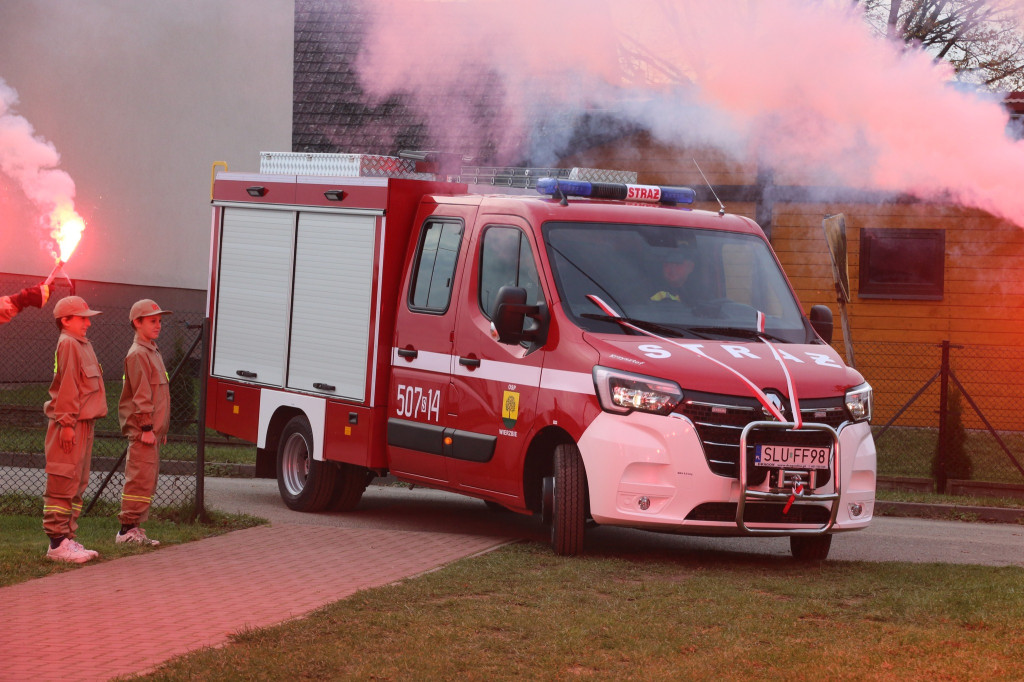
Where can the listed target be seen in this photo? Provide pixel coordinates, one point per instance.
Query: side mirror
(821, 322)
(509, 317)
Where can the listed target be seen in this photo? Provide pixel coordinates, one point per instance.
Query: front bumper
(649, 471)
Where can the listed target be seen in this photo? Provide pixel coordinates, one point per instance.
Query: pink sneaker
(70, 551)
(135, 536)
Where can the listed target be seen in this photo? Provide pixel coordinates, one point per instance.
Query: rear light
(624, 392)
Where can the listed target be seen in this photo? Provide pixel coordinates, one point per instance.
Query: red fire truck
(587, 350)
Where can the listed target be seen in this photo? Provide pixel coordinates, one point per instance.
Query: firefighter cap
(146, 308)
(73, 305)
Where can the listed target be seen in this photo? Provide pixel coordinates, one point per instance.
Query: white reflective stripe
(504, 372)
(571, 382)
(425, 361)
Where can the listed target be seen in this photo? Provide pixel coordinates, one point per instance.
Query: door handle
(245, 373)
(469, 362)
(323, 387)
(408, 353)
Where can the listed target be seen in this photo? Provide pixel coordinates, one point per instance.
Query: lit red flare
(67, 232)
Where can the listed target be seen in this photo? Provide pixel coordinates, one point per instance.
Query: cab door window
(433, 273)
(506, 259)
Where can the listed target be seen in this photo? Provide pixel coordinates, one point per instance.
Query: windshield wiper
(740, 332)
(648, 325)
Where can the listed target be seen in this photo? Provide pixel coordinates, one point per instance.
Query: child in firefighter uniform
(77, 400)
(144, 413)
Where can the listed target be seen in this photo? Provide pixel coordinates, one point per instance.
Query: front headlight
(858, 403)
(622, 392)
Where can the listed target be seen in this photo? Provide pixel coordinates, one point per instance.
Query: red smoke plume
(804, 84)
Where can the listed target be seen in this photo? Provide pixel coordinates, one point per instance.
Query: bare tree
(983, 40)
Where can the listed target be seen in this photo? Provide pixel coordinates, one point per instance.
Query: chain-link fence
(969, 398)
(979, 422)
(26, 370)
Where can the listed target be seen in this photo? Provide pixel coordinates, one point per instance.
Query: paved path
(129, 615)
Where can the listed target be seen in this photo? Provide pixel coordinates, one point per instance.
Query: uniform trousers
(67, 476)
(140, 473)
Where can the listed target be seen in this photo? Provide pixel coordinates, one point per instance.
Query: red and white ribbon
(794, 402)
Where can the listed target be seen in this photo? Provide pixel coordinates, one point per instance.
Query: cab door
(495, 385)
(421, 360)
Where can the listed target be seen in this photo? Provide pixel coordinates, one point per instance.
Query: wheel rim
(547, 505)
(295, 464)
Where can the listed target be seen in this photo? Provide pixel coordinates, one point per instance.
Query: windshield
(704, 284)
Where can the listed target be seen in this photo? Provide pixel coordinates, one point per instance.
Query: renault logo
(776, 401)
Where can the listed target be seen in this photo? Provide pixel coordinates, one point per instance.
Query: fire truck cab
(584, 351)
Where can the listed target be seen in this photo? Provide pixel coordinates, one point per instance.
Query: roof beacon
(614, 190)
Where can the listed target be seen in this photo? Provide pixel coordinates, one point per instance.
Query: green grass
(243, 453)
(36, 394)
(962, 500)
(23, 550)
(523, 613)
(909, 451)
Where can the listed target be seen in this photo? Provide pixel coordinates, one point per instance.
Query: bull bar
(749, 494)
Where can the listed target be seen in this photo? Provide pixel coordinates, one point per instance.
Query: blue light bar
(572, 188)
(677, 195)
(651, 194)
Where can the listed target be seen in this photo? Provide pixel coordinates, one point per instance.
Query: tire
(305, 484)
(810, 548)
(349, 486)
(569, 501)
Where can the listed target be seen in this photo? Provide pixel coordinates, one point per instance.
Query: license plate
(781, 456)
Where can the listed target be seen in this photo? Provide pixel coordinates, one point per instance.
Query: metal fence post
(940, 456)
(200, 508)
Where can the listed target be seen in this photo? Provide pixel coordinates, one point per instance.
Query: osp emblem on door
(510, 408)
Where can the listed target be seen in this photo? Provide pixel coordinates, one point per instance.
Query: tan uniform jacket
(7, 309)
(146, 397)
(77, 390)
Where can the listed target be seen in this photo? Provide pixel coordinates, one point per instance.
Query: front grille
(761, 512)
(720, 419)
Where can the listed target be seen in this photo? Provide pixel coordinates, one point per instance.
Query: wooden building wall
(983, 297)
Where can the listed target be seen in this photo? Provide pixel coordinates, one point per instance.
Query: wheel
(349, 486)
(810, 548)
(568, 501)
(305, 484)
